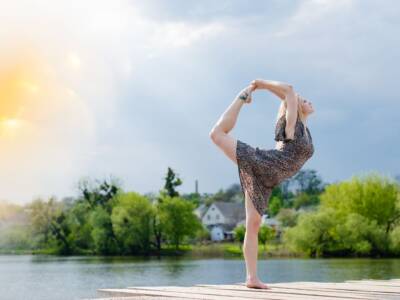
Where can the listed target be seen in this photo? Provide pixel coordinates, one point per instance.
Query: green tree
(395, 240)
(232, 192)
(305, 199)
(265, 234)
(171, 182)
(202, 234)
(61, 231)
(99, 196)
(239, 233)
(313, 233)
(132, 222)
(220, 195)
(102, 234)
(283, 192)
(14, 237)
(274, 206)
(287, 217)
(354, 217)
(50, 226)
(42, 214)
(359, 235)
(192, 197)
(178, 219)
(283, 189)
(158, 228)
(372, 196)
(308, 181)
(99, 192)
(81, 227)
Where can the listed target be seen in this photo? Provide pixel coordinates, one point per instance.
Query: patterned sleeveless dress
(260, 170)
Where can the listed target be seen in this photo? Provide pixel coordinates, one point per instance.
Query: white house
(200, 210)
(221, 217)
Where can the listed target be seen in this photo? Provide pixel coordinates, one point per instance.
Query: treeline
(105, 220)
(357, 217)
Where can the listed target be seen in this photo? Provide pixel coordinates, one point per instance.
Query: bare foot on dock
(256, 284)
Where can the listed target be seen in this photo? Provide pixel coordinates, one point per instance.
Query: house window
(212, 208)
(208, 217)
(217, 216)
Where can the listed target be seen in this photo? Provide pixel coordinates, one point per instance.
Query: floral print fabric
(260, 170)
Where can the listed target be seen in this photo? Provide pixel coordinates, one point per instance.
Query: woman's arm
(286, 93)
(280, 89)
(291, 113)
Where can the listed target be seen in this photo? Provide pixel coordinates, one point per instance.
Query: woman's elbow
(290, 95)
(289, 89)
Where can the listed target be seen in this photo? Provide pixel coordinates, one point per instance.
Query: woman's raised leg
(219, 133)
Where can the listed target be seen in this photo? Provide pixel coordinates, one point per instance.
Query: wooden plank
(206, 293)
(352, 286)
(318, 287)
(308, 293)
(131, 292)
(375, 282)
(300, 290)
(272, 293)
(127, 293)
(321, 287)
(386, 289)
(134, 298)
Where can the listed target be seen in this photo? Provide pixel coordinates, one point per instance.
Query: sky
(125, 89)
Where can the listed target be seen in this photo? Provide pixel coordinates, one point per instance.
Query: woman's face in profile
(306, 105)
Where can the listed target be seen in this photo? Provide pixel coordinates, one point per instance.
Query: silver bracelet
(244, 96)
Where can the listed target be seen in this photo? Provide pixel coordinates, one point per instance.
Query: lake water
(76, 277)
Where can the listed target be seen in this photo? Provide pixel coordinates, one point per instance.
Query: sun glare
(12, 123)
(18, 89)
(74, 60)
(29, 86)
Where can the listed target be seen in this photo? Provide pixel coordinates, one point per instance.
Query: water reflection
(59, 277)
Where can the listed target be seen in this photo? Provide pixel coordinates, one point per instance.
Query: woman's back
(301, 145)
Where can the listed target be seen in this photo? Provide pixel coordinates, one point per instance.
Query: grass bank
(201, 250)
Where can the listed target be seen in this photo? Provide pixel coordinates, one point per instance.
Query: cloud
(131, 87)
(312, 12)
(82, 54)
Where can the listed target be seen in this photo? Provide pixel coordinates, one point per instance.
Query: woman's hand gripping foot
(245, 94)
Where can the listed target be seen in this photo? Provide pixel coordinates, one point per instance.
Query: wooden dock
(301, 290)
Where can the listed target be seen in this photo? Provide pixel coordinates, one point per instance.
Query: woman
(260, 170)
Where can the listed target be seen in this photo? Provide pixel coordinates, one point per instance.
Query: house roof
(234, 212)
(201, 210)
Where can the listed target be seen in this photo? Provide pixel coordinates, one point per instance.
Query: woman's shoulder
(282, 122)
(280, 134)
(283, 118)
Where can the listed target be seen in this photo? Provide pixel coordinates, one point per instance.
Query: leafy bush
(355, 217)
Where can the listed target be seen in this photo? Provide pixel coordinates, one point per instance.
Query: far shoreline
(225, 250)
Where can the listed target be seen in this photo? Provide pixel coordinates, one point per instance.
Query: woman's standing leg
(250, 244)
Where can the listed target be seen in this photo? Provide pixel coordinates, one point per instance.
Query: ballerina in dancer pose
(260, 170)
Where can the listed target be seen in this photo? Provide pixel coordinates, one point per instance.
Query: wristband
(244, 96)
